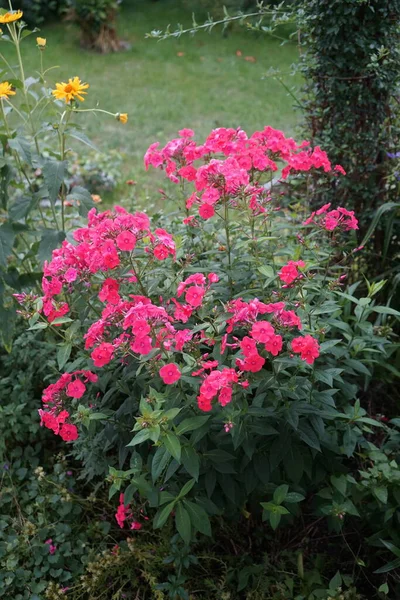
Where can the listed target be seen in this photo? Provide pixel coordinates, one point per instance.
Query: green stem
(13, 73)
(16, 110)
(143, 289)
(62, 154)
(41, 65)
(16, 40)
(82, 110)
(228, 244)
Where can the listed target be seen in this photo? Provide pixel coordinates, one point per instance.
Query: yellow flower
(123, 117)
(71, 90)
(41, 42)
(10, 17)
(96, 198)
(6, 90)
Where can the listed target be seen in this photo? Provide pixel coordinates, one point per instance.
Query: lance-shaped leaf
(54, 173)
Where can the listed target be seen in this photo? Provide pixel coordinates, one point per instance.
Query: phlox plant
(212, 359)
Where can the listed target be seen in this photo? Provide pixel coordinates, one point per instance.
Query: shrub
(229, 350)
(96, 19)
(21, 383)
(350, 60)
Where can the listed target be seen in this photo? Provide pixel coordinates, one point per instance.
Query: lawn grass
(197, 82)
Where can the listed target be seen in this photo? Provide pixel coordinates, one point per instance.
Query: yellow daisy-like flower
(41, 42)
(10, 17)
(6, 90)
(71, 90)
(123, 117)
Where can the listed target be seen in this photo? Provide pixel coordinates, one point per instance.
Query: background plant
(97, 21)
(36, 198)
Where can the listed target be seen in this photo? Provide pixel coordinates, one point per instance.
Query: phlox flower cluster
(231, 163)
(289, 273)
(307, 347)
(339, 218)
(57, 395)
(125, 514)
(100, 248)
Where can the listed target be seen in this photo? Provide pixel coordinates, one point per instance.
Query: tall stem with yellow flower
(10, 19)
(41, 44)
(62, 138)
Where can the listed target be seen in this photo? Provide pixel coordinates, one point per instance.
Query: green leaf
(191, 424)
(49, 241)
(293, 463)
(8, 318)
(63, 354)
(386, 310)
(128, 493)
(21, 207)
(171, 413)
(274, 519)
(308, 435)
(358, 366)
(173, 445)
(162, 515)
(218, 456)
(186, 488)
(61, 320)
(390, 566)
(280, 493)
(140, 437)
(293, 497)
(335, 582)
(53, 173)
(280, 447)
(183, 524)
(6, 174)
(381, 493)
(267, 271)
(387, 206)
(22, 147)
(268, 506)
(190, 461)
(78, 135)
(84, 198)
(198, 517)
(160, 461)
(328, 345)
(391, 547)
(7, 237)
(38, 326)
(340, 483)
(97, 416)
